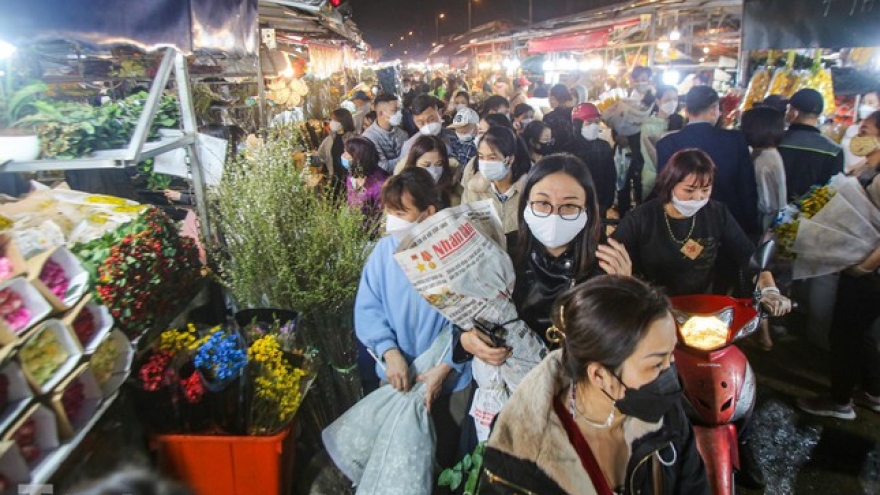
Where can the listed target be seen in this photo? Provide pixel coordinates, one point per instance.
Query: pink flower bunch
(55, 279)
(6, 267)
(73, 399)
(25, 437)
(84, 326)
(13, 310)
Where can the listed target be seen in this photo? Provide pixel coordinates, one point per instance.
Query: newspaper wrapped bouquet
(829, 229)
(457, 262)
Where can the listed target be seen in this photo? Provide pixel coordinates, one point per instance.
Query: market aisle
(803, 454)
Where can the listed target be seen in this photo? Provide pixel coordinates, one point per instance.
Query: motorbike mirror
(764, 254)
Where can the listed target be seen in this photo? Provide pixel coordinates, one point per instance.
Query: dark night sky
(385, 21)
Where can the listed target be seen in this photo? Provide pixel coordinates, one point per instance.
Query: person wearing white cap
(463, 145)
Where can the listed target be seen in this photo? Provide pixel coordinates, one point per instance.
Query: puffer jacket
(529, 452)
(477, 188)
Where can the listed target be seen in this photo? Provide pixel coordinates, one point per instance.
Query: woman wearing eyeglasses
(560, 243)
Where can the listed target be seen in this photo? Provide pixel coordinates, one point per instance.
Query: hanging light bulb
(675, 35)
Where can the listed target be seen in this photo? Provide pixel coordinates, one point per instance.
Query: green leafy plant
(467, 471)
(287, 245)
(17, 103)
(73, 130)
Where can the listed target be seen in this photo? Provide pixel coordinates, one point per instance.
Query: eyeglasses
(543, 209)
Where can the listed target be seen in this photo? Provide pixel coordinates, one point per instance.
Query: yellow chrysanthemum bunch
(176, 341)
(277, 394)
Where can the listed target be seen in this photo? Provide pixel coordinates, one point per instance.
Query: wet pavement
(803, 454)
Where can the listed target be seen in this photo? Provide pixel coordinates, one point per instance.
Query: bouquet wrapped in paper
(830, 228)
(625, 116)
(457, 262)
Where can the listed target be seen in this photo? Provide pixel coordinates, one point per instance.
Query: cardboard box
(73, 270)
(100, 314)
(19, 398)
(92, 397)
(45, 433)
(69, 345)
(33, 301)
(122, 364)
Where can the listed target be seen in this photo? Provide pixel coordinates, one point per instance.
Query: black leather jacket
(540, 282)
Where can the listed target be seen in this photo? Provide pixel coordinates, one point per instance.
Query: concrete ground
(804, 454)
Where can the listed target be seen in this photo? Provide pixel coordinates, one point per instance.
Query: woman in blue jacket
(397, 324)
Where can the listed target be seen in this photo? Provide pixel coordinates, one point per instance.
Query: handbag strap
(584, 452)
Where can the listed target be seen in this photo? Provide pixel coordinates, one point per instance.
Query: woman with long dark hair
(366, 177)
(538, 136)
(430, 153)
(559, 244)
(333, 146)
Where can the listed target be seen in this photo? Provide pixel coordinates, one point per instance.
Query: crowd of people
(603, 220)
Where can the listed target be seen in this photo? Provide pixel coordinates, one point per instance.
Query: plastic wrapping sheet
(223, 26)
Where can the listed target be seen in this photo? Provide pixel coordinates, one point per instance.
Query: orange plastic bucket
(227, 465)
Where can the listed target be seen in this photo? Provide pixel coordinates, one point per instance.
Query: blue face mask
(346, 163)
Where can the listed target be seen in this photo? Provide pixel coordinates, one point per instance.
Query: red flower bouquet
(143, 271)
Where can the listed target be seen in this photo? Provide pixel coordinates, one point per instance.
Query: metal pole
(530, 13)
(437, 25)
(190, 127)
(151, 106)
(652, 39)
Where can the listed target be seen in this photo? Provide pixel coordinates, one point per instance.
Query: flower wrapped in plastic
(830, 228)
(457, 262)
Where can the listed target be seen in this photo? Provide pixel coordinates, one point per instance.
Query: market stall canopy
(310, 19)
(584, 41)
(784, 24)
(224, 26)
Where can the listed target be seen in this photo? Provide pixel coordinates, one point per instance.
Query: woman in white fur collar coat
(602, 415)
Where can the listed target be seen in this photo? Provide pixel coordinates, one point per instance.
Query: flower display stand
(230, 465)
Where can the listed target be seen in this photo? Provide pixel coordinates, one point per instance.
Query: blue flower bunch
(222, 354)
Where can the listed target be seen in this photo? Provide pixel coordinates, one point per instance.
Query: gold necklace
(669, 227)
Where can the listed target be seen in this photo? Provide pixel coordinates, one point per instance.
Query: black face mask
(651, 401)
(546, 148)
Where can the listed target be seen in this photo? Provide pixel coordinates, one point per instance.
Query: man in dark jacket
(735, 183)
(810, 158)
(559, 119)
(596, 153)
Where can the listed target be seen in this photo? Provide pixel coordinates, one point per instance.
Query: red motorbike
(716, 377)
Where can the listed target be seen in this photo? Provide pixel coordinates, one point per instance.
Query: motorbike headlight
(705, 332)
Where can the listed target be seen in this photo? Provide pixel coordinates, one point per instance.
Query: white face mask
(642, 87)
(688, 208)
(465, 137)
(459, 106)
(865, 111)
(526, 122)
(554, 231)
(436, 172)
(396, 119)
(398, 227)
(493, 170)
(669, 107)
(335, 126)
(431, 129)
(590, 132)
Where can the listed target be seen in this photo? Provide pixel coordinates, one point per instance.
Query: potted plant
(287, 245)
(16, 142)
